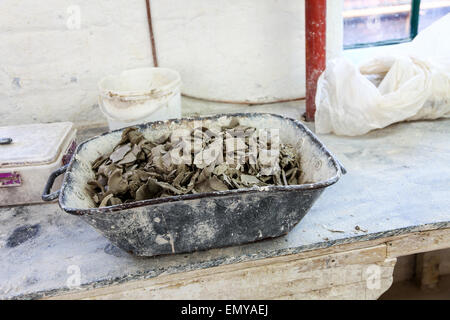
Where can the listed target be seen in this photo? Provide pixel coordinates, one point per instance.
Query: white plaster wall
(49, 71)
(239, 50)
(225, 50)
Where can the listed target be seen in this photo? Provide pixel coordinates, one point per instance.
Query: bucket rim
(132, 95)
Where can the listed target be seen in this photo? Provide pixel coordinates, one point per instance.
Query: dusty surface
(398, 181)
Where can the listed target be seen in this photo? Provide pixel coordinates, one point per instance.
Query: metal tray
(191, 222)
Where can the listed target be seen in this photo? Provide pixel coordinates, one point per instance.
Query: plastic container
(140, 95)
(28, 154)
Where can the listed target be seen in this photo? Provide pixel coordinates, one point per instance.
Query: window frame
(413, 30)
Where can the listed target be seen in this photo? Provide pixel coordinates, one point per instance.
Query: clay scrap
(197, 161)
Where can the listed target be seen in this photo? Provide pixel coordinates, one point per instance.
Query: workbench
(394, 201)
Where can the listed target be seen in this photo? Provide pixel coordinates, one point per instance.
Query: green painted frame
(413, 29)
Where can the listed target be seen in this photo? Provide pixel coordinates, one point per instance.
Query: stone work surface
(398, 182)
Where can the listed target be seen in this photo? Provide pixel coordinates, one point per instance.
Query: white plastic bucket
(140, 95)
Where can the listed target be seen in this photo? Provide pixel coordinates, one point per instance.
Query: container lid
(33, 144)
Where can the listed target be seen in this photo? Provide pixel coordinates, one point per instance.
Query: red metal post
(315, 50)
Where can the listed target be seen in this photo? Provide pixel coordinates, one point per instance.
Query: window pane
(367, 21)
(432, 10)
